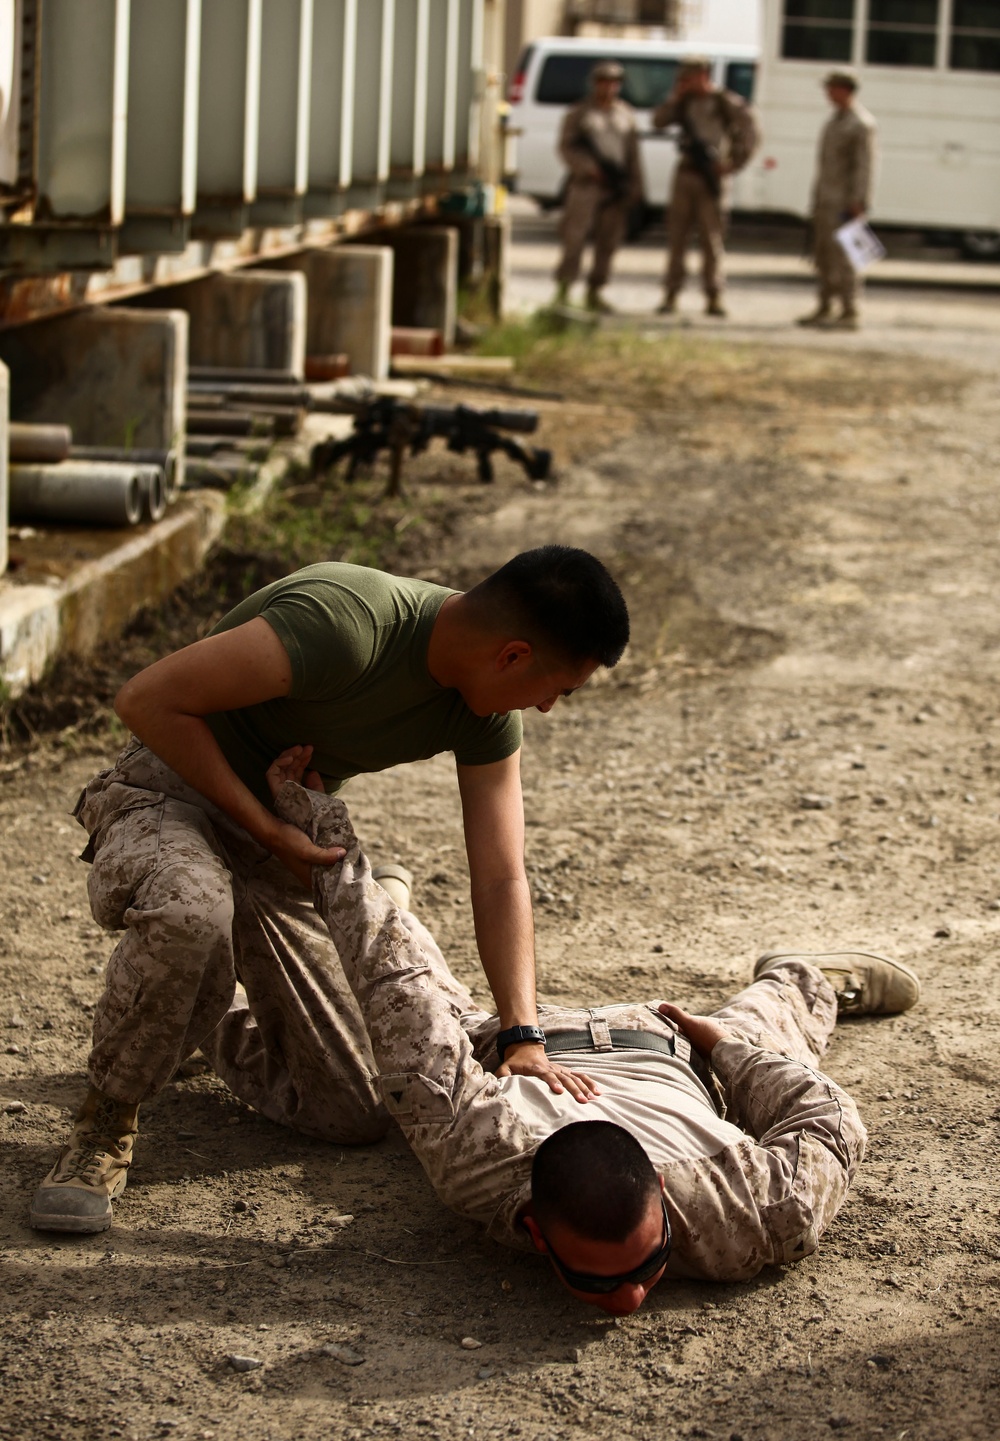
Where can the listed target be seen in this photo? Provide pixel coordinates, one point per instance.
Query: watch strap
(516, 1035)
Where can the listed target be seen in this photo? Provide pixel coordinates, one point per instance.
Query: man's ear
(513, 652)
(531, 1226)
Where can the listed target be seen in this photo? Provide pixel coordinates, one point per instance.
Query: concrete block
(4, 421)
(425, 283)
(116, 377)
(40, 622)
(250, 319)
(349, 304)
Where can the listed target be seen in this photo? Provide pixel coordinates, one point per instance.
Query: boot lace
(91, 1151)
(87, 1159)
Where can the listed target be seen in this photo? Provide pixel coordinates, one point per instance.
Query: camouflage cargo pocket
(412, 1098)
(121, 990)
(125, 852)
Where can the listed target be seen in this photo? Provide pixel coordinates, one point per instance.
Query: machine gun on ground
(383, 423)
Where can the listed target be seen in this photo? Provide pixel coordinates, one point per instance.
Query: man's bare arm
(165, 705)
(501, 907)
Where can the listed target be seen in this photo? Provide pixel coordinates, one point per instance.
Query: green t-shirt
(361, 692)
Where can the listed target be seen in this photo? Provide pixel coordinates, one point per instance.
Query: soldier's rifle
(401, 427)
(614, 177)
(701, 156)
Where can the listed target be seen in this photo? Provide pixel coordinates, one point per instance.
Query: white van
(930, 75)
(554, 73)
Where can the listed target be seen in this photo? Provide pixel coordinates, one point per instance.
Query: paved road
(938, 306)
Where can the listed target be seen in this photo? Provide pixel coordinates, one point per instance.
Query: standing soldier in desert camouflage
(718, 135)
(600, 147)
(841, 192)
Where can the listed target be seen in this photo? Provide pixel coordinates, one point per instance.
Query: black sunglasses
(604, 1285)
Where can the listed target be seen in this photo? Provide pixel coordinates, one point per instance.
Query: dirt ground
(797, 752)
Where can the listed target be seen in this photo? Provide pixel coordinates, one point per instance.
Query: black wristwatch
(514, 1035)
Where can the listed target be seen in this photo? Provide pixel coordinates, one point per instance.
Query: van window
(565, 79)
(647, 82)
(902, 32)
(975, 35)
(817, 29)
(740, 77)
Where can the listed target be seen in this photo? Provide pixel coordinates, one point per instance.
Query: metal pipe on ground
(229, 422)
(83, 492)
(228, 375)
(286, 419)
(37, 443)
(154, 492)
(283, 395)
(165, 459)
(203, 446)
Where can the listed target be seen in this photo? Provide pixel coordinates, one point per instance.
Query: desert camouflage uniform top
(612, 133)
(846, 161)
(720, 119)
(737, 1201)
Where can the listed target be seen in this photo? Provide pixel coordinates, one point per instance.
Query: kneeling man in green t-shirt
(344, 670)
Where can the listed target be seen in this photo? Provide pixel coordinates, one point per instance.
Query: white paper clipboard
(860, 244)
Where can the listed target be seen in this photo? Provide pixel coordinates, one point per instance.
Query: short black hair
(595, 1178)
(559, 599)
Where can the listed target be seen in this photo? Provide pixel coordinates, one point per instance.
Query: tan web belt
(600, 1039)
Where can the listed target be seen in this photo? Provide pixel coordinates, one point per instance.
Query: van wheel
(981, 244)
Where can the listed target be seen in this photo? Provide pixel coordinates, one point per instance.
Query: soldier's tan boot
(91, 1170)
(820, 316)
(397, 882)
(865, 985)
(847, 320)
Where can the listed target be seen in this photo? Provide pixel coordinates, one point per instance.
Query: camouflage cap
(694, 65)
(844, 76)
(607, 70)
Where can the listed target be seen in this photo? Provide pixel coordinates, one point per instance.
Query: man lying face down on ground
(655, 1183)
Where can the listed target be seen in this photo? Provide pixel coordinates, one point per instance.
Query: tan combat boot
(397, 882)
(597, 304)
(865, 985)
(820, 316)
(846, 320)
(91, 1170)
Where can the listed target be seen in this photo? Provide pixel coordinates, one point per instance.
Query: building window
(818, 30)
(902, 32)
(975, 35)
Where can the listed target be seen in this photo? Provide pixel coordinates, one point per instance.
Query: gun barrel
(441, 418)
